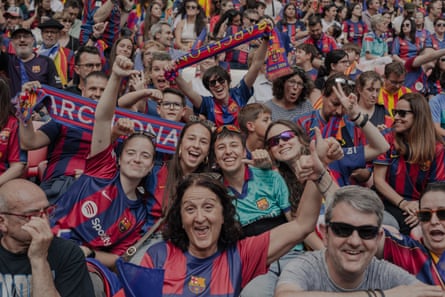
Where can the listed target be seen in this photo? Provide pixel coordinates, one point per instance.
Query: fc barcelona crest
(197, 284)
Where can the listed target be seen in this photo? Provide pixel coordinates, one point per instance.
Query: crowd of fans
(350, 134)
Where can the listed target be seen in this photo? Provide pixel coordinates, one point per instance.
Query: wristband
(320, 177)
(364, 121)
(92, 254)
(400, 203)
(93, 38)
(357, 117)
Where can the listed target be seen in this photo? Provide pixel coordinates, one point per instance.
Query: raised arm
(257, 63)
(431, 56)
(194, 97)
(107, 104)
(376, 142)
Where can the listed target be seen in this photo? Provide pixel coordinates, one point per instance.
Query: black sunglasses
(213, 82)
(345, 230)
(425, 215)
(401, 112)
(275, 140)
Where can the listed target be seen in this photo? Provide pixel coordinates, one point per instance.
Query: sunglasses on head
(401, 112)
(425, 215)
(213, 82)
(230, 128)
(343, 81)
(346, 230)
(149, 135)
(275, 140)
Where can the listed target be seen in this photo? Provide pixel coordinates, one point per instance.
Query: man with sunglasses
(348, 267)
(32, 261)
(224, 105)
(423, 256)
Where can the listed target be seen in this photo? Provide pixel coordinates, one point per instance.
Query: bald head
(18, 193)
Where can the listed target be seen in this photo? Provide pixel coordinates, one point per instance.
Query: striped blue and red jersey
(434, 42)
(111, 33)
(413, 256)
(291, 29)
(338, 127)
(354, 31)
(410, 179)
(354, 158)
(68, 149)
(96, 212)
(324, 45)
(10, 151)
(235, 54)
(155, 184)
(423, 36)
(226, 114)
(416, 79)
(223, 274)
(405, 49)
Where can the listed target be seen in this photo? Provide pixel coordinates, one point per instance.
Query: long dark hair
(6, 107)
(412, 33)
(295, 187)
(175, 172)
(230, 230)
(200, 21)
(228, 15)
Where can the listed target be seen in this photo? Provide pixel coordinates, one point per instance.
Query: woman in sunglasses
(291, 93)
(104, 210)
(191, 23)
(406, 45)
(415, 158)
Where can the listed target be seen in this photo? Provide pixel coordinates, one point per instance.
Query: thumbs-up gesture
(310, 167)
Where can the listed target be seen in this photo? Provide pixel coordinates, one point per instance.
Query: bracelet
(364, 121)
(93, 38)
(327, 188)
(381, 292)
(92, 254)
(320, 177)
(400, 202)
(357, 117)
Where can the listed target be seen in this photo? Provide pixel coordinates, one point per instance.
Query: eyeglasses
(172, 105)
(230, 128)
(344, 230)
(66, 21)
(294, 83)
(54, 32)
(191, 7)
(91, 65)
(343, 81)
(284, 136)
(440, 24)
(401, 112)
(48, 211)
(213, 82)
(425, 215)
(406, 25)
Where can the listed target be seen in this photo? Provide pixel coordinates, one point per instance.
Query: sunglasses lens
(341, 230)
(275, 140)
(425, 215)
(368, 232)
(345, 230)
(441, 214)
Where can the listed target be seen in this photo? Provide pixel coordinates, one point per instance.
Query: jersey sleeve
(253, 253)
(103, 164)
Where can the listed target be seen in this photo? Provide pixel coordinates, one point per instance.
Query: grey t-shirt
(309, 272)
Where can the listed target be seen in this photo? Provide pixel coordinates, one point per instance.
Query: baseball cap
(21, 30)
(14, 11)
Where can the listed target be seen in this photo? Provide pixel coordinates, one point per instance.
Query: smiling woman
(203, 255)
(416, 157)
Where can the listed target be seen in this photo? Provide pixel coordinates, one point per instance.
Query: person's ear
(324, 233)
(250, 126)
